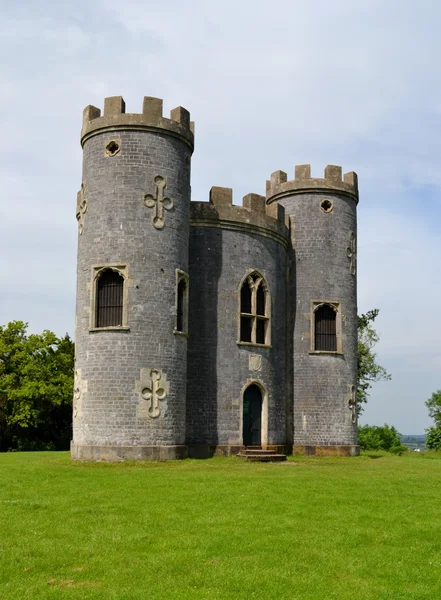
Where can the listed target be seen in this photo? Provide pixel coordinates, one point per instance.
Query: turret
(323, 298)
(132, 283)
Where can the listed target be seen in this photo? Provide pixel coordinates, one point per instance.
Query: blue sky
(270, 85)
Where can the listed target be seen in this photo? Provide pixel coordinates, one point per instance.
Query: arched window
(254, 310)
(325, 328)
(181, 302)
(109, 299)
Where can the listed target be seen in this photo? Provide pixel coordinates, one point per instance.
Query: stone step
(262, 457)
(251, 451)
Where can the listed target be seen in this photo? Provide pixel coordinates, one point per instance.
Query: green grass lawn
(220, 529)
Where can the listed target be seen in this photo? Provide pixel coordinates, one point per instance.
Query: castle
(206, 327)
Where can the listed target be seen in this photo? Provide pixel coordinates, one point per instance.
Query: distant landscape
(414, 442)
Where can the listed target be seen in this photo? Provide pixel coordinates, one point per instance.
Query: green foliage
(434, 406)
(433, 440)
(36, 381)
(369, 371)
(399, 449)
(373, 437)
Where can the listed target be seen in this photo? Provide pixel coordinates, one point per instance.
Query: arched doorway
(252, 416)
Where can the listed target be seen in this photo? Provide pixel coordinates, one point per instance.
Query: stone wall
(222, 253)
(323, 230)
(112, 406)
(134, 397)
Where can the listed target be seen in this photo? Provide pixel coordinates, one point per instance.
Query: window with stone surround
(254, 311)
(109, 297)
(326, 327)
(181, 302)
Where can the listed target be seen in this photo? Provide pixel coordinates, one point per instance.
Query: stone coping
(333, 182)
(255, 216)
(115, 118)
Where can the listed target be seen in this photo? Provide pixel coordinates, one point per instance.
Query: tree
(369, 371)
(373, 437)
(433, 439)
(36, 381)
(434, 406)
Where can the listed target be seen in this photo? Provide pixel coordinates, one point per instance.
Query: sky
(269, 85)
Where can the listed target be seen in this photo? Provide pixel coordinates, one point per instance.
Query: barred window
(254, 310)
(109, 299)
(325, 328)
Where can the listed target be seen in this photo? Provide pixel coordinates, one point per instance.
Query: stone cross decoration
(157, 391)
(80, 386)
(351, 253)
(81, 209)
(158, 202)
(352, 403)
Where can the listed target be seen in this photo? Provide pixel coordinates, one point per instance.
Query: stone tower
(323, 297)
(132, 284)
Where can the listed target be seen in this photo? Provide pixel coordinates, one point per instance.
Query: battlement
(279, 186)
(254, 216)
(151, 118)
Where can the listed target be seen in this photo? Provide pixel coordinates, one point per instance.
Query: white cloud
(269, 85)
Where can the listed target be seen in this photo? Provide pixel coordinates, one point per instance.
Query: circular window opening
(326, 206)
(112, 148)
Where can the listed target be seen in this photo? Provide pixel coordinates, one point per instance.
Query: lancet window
(254, 310)
(181, 302)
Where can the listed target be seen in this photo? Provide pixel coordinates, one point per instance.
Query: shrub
(373, 437)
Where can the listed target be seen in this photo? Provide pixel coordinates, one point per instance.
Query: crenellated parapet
(255, 216)
(333, 181)
(151, 118)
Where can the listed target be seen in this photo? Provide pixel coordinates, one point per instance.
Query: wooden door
(252, 416)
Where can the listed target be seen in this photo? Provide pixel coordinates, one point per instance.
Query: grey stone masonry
(131, 379)
(323, 235)
(196, 322)
(227, 243)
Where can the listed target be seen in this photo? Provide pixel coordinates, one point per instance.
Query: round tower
(323, 286)
(132, 283)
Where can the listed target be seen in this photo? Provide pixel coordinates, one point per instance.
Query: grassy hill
(219, 529)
